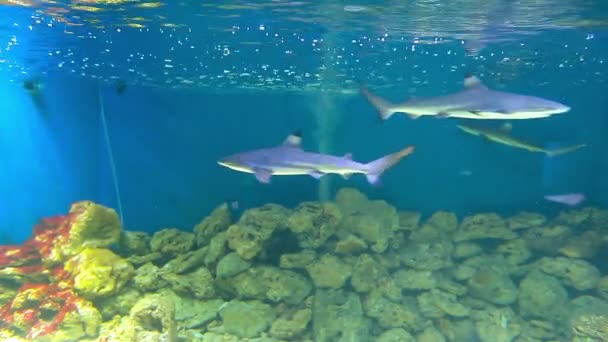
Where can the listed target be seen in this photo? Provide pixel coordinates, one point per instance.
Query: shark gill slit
(102, 114)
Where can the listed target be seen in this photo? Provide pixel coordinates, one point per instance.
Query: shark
(475, 101)
(503, 137)
(289, 158)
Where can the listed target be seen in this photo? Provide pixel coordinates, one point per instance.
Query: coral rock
(98, 272)
(374, 221)
(230, 265)
(172, 242)
(247, 319)
(338, 316)
(152, 318)
(576, 273)
(484, 226)
(526, 220)
(427, 256)
(292, 326)
(298, 260)
(350, 245)
(267, 283)
(329, 271)
(314, 222)
(248, 236)
(542, 296)
(494, 285)
(440, 226)
(218, 221)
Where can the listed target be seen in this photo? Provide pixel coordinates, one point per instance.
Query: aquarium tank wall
(303, 171)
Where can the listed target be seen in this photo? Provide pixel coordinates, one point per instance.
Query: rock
(390, 314)
(542, 296)
(427, 256)
(437, 304)
(585, 246)
(314, 222)
(440, 226)
(497, 325)
(247, 319)
(415, 280)
(547, 239)
(430, 334)
(587, 328)
(268, 283)
(134, 243)
(298, 260)
(463, 272)
(515, 251)
(153, 319)
(493, 284)
(525, 220)
(98, 272)
(138, 260)
(602, 287)
(193, 314)
(338, 316)
(395, 335)
(248, 236)
(587, 305)
(172, 242)
(230, 265)
(575, 273)
(466, 249)
(350, 245)
(574, 218)
(374, 221)
(456, 330)
(409, 220)
(185, 262)
(198, 284)
(291, 326)
(483, 226)
(366, 273)
(148, 278)
(216, 249)
(218, 221)
(329, 271)
(119, 304)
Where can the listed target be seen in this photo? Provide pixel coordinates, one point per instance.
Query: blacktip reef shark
(502, 136)
(290, 159)
(475, 101)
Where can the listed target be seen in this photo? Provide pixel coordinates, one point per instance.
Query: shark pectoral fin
(316, 174)
(262, 175)
(413, 117)
(346, 176)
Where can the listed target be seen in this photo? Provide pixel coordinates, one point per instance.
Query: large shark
(475, 101)
(290, 159)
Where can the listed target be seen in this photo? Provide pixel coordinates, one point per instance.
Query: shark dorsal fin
(472, 82)
(294, 139)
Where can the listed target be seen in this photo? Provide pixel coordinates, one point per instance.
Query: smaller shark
(290, 159)
(475, 101)
(502, 137)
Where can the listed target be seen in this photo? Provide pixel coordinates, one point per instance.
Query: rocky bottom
(353, 269)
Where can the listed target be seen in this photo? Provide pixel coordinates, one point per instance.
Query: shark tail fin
(384, 107)
(568, 149)
(378, 166)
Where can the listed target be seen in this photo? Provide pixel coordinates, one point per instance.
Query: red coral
(39, 308)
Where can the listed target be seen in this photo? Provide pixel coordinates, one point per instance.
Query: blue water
(173, 123)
